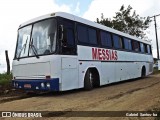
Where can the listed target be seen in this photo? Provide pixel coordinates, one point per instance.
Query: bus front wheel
(88, 81)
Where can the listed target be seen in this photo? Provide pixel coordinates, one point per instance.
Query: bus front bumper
(36, 84)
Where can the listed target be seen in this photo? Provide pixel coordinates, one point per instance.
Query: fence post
(7, 61)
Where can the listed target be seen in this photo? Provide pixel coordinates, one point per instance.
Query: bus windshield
(37, 40)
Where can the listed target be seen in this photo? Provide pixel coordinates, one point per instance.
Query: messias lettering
(104, 54)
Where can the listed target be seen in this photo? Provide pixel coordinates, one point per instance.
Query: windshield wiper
(24, 47)
(34, 49)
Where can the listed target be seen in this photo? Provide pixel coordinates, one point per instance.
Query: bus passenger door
(69, 65)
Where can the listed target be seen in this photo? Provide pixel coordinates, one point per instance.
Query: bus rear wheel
(143, 72)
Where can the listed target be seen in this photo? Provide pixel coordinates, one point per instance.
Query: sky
(15, 12)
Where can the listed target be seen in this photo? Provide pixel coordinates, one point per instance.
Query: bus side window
(135, 45)
(149, 49)
(68, 43)
(106, 39)
(118, 41)
(87, 35)
(70, 37)
(121, 42)
(142, 47)
(92, 36)
(82, 34)
(127, 44)
(145, 48)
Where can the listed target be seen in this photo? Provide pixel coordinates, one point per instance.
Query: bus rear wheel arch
(143, 72)
(91, 79)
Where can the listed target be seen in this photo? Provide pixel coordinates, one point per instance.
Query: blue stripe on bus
(33, 83)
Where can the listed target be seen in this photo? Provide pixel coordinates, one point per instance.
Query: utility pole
(156, 34)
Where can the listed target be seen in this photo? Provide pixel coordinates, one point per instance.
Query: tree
(127, 22)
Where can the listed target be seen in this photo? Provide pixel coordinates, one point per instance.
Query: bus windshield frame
(37, 39)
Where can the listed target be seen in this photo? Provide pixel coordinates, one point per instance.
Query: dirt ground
(134, 95)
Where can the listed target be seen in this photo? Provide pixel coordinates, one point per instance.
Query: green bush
(5, 79)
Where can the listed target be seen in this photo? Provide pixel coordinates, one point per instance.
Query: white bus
(60, 51)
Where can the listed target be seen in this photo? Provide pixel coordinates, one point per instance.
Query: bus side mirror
(61, 32)
(62, 36)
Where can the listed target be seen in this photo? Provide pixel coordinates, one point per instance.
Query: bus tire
(143, 72)
(88, 80)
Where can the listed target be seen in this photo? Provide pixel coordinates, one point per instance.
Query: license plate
(27, 86)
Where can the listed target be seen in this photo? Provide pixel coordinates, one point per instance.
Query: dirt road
(136, 95)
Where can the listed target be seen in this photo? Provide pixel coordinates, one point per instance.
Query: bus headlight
(42, 85)
(37, 88)
(48, 85)
(16, 84)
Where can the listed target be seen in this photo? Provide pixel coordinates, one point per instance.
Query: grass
(5, 79)
(156, 71)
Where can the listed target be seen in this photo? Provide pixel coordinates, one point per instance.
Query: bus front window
(43, 38)
(41, 41)
(23, 42)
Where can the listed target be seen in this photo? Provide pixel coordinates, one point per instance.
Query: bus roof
(84, 21)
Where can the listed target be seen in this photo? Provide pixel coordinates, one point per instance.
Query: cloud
(77, 9)
(108, 8)
(15, 12)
